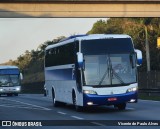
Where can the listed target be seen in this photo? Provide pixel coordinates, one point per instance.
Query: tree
(140, 29)
(98, 27)
(145, 22)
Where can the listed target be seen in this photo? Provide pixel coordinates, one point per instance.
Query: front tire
(121, 106)
(16, 94)
(55, 103)
(78, 108)
(9, 94)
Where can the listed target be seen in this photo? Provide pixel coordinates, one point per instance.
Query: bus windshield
(114, 69)
(106, 65)
(9, 80)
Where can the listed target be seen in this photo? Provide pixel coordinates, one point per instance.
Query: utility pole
(147, 49)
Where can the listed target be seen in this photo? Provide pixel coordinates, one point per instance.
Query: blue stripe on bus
(60, 74)
(9, 71)
(103, 99)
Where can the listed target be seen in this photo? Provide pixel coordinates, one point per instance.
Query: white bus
(10, 80)
(92, 70)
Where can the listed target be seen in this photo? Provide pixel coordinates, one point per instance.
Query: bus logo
(111, 92)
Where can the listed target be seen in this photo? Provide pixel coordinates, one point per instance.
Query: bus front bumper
(97, 100)
(6, 90)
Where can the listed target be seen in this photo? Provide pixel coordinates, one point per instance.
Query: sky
(20, 34)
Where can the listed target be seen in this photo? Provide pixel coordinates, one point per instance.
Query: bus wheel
(55, 103)
(16, 94)
(78, 108)
(9, 94)
(121, 106)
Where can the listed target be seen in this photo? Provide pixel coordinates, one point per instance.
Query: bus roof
(87, 37)
(8, 67)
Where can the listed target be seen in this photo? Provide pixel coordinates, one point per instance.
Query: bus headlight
(132, 89)
(18, 89)
(1, 89)
(89, 92)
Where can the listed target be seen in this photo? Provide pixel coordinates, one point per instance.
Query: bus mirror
(80, 59)
(21, 76)
(139, 57)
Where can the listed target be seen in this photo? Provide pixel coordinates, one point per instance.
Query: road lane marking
(99, 124)
(76, 117)
(150, 101)
(20, 107)
(63, 113)
(34, 106)
(130, 108)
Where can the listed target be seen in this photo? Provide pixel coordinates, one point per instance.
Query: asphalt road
(37, 108)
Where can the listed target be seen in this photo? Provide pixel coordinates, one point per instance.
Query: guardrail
(38, 87)
(153, 90)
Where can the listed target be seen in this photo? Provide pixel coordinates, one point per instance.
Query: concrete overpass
(79, 8)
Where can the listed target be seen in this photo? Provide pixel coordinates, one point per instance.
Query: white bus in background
(10, 80)
(92, 70)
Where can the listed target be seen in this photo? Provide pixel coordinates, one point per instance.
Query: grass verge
(149, 97)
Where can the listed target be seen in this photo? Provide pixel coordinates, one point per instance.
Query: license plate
(112, 99)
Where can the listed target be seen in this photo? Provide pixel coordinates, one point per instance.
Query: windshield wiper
(110, 72)
(117, 76)
(105, 74)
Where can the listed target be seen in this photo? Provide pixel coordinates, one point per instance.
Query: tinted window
(9, 71)
(103, 46)
(61, 55)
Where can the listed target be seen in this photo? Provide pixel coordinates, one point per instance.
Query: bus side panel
(63, 91)
(63, 82)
